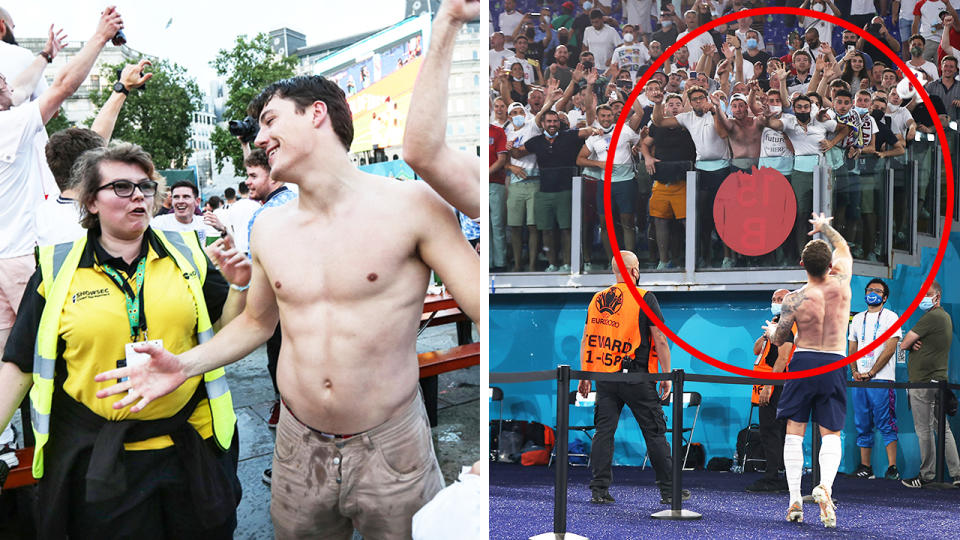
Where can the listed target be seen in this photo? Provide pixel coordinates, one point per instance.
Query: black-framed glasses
(878, 291)
(124, 188)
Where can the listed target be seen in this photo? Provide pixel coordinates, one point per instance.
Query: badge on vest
(134, 358)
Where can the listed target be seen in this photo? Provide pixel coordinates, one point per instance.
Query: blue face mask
(587, 6)
(860, 110)
(775, 308)
(752, 43)
(518, 121)
(873, 299)
(927, 303)
(666, 24)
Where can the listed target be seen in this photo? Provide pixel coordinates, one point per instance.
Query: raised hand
(819, 222)
(235, 266)
(110, 23)
(56, 41)
(592, 76)
(161, 374)
(460, 11)
(133, 76)
(578, 73)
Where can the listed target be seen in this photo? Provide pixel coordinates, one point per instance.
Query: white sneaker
(551, 268)
(565, 269)
(728, 262)
(828, 513)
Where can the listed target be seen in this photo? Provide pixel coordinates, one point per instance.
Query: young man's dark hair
(816, 258)
(242, 188)
(882, 283)
(186, 183)
(800, 98)
(256, 158)
(230, 193)
(695, 90)
(802, 53)
(549, 113)
(842, 92)
(305, 90)
(65, 147)
(215, 202)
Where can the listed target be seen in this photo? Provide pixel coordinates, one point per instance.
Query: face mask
(666, 24)
(817, 7)
(751, 43)
(518, 79)
(873, 299)
(916, 51)
(682, 84)
(877, 115)
(587, 6)
(927, 303)
(893, 108)
(775, 109)
(518, 121)
(790, 47)
(803, 117)
(774, 308)
(860, 110)
(628, 38)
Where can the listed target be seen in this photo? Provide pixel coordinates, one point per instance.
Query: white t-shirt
(631, 57)
(906, 12)
(694, 46)
(899, 120)
(599, 146)
(519, 136)
(806, 142)
(601, 43)
(509, 23)
(928, 68)
(58, 221)
(742, 34)
(824, 29)
(528, 73)
(241, 212)
(862, 7)
(497, 58)
(710, 146)
(20, 179)
(13, 60)
(930, 16)
(168, 222)
(865, 328)
(774, 152)
(638, 13)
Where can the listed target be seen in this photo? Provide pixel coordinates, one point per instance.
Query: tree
(249, 68)
(58, 123)
(157, 117)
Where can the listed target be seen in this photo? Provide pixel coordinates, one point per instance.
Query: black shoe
(602, 497)
(666, 497)
(915, 482)
(767, 485)
(892, 473)
(267, 477)
(863, 471)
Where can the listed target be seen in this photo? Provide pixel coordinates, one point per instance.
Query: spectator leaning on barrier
(498, 160)
(875, 408)
(947, 87)
(618, 337)
(928, 343)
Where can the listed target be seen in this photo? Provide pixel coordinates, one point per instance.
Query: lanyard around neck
(134, 298)
(876, 328)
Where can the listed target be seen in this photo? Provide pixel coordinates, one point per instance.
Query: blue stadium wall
(532, 332)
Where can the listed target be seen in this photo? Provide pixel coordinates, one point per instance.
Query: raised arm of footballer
(455, 175)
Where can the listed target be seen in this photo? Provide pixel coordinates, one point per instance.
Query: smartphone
(693, 74)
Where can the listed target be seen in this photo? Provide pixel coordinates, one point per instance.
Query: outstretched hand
(133, 76)
(56, 41)
(235, 266)
(461, 11)
(819, 222)
(161, 374)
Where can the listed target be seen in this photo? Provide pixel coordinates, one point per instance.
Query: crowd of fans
(795, 94)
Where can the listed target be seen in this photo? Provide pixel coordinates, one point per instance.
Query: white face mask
(628, 38)
(814, 110)
(774, 308)
(892, 108)
(775, 109)
(817, 7)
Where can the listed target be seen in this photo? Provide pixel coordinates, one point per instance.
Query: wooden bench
(21, 475)
(434, 363)
(445, 316)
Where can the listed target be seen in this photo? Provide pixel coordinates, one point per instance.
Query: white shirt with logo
(864, 329)
(168, 222)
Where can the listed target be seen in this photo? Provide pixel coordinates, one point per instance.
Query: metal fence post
(676, 511)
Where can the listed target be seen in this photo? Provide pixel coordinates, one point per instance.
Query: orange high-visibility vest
(612, 332)
(761, 365)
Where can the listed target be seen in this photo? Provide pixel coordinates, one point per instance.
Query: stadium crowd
(796, 94)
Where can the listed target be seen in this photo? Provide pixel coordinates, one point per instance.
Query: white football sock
(830, 453)
(793, 463)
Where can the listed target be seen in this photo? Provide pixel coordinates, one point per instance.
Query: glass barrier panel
(874, 213)
(924, 152)
(953, 143)
(903, 210)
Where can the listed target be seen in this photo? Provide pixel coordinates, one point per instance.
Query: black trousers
(645, 405)
(773, 431)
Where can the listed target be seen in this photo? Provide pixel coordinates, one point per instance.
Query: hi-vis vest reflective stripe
(611, 334)
(761, 365)
(57, 266)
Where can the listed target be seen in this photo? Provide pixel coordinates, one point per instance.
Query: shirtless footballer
(344, 269)
(820, 309)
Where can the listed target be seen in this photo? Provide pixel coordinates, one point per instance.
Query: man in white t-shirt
(875, 408)
(638, 12)
(241, 212)
(21, 152)
(600, 39)
(185, 197)
(523, 184)
(927, 23)
(509, 20)
(695, 45)
(824, 29)
(623, 188)
(631, 55)
(498, 54)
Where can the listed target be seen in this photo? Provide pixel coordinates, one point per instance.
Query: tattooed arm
(842, 268)
(781, 332)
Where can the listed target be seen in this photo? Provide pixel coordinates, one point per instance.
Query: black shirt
(665, 37)
(922, 117)
(675, 149)
(556, 160)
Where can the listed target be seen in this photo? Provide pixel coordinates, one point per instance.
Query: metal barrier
(678, 377)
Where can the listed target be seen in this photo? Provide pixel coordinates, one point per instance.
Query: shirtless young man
(820, 309)
(454, 174)
(353, 443)
(743, 131)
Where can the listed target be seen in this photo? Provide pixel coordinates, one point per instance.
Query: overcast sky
(201, 28)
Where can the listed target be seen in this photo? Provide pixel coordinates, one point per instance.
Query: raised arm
(25, 83)
(455, 175)
(659, 119)
(575, 78)
(72, 75)
(131, 78)
(842, 269)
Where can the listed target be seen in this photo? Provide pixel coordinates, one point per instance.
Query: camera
(246, 129)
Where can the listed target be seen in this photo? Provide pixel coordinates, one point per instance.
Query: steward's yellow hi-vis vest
(57, 266)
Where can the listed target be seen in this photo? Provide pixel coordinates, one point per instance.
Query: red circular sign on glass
(755, 211)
